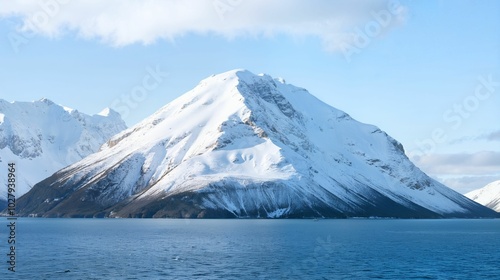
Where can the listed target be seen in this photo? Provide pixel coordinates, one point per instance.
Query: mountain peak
(488, 196)
(240, 74)
(43, 137)
(46, 101)
(108, 112)
(246, 145)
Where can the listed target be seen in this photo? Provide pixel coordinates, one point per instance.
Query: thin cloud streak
(469, 183)
(481, 163)
(494, 136)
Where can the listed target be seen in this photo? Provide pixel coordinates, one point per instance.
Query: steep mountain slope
(245, 145)
(42, 137)
(488, 196)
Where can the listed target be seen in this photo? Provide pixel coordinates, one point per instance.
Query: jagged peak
(46, 101)
(108, 112)
(280, 80)
(69, 110)
(239, 74)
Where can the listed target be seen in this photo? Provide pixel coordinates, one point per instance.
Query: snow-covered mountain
(488, 196)
(42, 137)
(245, 145)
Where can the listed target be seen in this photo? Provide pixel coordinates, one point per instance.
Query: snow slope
(245, 145)
(42, 137)
(488, 196)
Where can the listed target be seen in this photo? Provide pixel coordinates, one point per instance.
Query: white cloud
(481, 163)
(492, 136)
(462, 172)
(468, 183)
(123, 22)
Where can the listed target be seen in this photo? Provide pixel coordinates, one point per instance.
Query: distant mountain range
(247, 146)
(488, 196)
(42, 137)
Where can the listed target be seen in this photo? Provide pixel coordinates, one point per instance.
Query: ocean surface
(253, 249)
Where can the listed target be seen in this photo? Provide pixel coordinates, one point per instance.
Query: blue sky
(426, 72)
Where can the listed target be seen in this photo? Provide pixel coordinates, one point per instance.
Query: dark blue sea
(253, 249)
